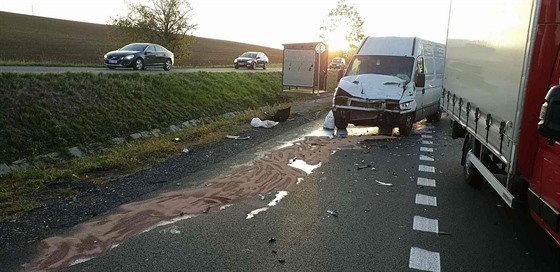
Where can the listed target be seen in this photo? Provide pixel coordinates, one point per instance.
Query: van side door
(432, 90)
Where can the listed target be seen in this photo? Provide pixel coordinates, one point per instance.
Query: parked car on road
(251, 60)
(337, 63)
(138, 56)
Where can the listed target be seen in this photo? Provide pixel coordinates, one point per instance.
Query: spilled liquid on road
(269, 173)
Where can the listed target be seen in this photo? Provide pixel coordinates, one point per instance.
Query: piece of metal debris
(206, 210)
(186, 150)
(272, 240)
(364, 166)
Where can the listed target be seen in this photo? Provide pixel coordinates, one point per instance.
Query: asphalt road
(45, 69)
(384, 219)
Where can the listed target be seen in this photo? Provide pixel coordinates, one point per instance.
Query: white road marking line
(425, 168)
(427, 131)
(426, 158)
(422, 259)
(427, 142)
(427, 136)
(426, 200)
(425, 224)
(426, 182)
(426, 149)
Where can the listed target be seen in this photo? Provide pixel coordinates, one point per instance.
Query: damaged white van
(391, 82)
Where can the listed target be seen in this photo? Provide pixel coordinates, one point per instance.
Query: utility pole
(32, 12)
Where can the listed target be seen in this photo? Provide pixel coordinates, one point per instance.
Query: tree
(343, 20)
(166, 22)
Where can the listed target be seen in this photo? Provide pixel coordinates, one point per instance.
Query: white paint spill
(174, 220)
(426, 158)
(425, 260)
(225, 206)
(79, 261)
(299, 180)
(427, 142)
(255, 212)
(426, 200)
(302, 165)
(279, 196)
(425, 168)
(427, 136)
(426, 149)
(425, 224)
(426, 182)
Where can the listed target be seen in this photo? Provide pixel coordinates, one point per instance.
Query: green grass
(43, 113)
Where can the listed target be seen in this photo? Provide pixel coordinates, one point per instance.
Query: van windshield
(398, 66)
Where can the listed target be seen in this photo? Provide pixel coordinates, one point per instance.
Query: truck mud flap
(548, 214)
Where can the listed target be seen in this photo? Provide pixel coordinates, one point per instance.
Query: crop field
(39, 40)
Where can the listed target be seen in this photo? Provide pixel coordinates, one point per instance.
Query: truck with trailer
(501, 91)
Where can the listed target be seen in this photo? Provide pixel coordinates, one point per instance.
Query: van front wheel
(405, 126)
(340, 119)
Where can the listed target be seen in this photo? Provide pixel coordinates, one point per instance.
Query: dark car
(251, 60)
(138, 56)
(337, 63)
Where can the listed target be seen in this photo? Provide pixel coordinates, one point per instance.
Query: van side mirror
(420, 80)
(549, 123)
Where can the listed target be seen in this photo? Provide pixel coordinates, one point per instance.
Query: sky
(268, 23)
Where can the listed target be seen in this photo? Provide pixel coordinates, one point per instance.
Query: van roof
(388, 46)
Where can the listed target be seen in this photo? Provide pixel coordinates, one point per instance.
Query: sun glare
(336, 40)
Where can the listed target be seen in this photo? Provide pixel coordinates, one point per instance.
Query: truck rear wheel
(340, 119)
(471, 175)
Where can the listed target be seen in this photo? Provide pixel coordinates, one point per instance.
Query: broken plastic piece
(206, 210)
(235, 137)
(272, 240)
(333, 213)
(186, 150)
(383, 183)
(176, 139)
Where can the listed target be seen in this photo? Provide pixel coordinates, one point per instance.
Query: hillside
(39, 39)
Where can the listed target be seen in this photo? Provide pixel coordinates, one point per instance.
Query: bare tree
(167, 22)
(347, 19)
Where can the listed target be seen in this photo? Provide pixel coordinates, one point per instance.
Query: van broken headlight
(405, 106)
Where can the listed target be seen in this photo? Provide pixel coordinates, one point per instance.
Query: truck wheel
(340, 119)
(435, 117)
(405, 126)
(471, 175)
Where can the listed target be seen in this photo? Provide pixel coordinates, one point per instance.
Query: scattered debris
(272, 240)
(383, 183)
(186, 150)
(257, 122)
(176, 139)
(444, 233)
(281, 261)
(158, 181)
(274, 251)
(333, 213)
(181, 214)
(206, 210)
(235, 137)
(373, 169)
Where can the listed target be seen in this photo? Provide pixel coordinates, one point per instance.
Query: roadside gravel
(19, 239)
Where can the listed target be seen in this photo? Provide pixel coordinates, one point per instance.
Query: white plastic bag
(329, 121)
(257, 122)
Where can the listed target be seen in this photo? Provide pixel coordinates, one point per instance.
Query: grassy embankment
(41, 113)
